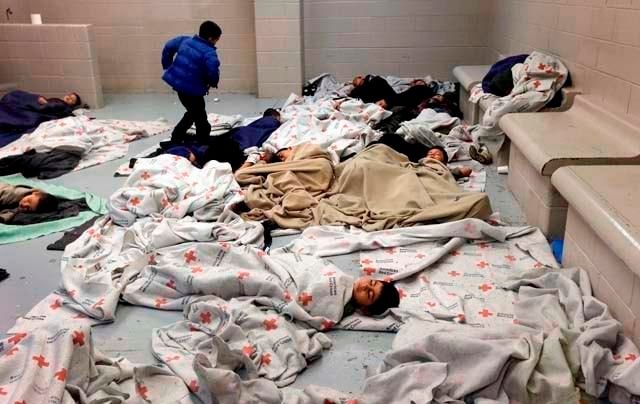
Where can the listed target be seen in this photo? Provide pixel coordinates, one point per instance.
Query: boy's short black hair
(444, 152)
(47, 202)
(271, 112)
(210, 29)
(78, 100)
(389, 297)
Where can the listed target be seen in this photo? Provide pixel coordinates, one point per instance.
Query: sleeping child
(15, 199)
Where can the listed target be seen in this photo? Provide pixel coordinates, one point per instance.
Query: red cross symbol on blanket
(432, 304)
(270, 324)
(536, 84)
(485, 287)
(631, 357)
(510, 258)
(170, 359)
(205, 317)
(470, 228)
(135, 201)
(483, 245)
(71, 293)
(367, 261)
(327, 324)
(161, 301)
(265, 359)
(40, 361)
(193, 386)
(420, 256)
(3, 392)
(305, 298)
(171, 284)
(197, 270)
(369, 271)
(224, 245)
(242, 275)
(454, 273)
(190, 256)
(99, 303)
(142, 390)
(542, 66)
(61, 374)
(329, 273)
(390, 251)
(56, 304)
(78, 338)
(145, 175)
(11, 351)
(248, 350)
(485, 313)
(152, 260)
(454, 253)
(482, 264)
(537, 265)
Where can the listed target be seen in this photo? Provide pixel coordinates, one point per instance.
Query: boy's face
(436, 154)
(366, 291)
(358, 80)
(213, 41)
(70, 99)
(285, 154)
(30, 202)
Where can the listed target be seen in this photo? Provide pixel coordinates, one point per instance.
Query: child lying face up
(372, 297)
(440, 154)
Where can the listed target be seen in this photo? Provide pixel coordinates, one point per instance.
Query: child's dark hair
(78, 100)
(389, 297)
(271, 112)
(46, 202)
(444, 152)
(210, 29)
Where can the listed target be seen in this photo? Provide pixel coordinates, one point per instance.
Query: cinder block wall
(279, 47)
(408, 38)
(51, 60)
(130, 37)
(20, 10)
(599, 40)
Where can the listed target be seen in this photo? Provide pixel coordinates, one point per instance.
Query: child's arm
(170, 50)
(213, 69)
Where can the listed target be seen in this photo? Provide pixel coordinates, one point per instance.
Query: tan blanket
(380, 189)
(288, 192)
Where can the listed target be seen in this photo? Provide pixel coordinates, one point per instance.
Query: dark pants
(196, 113)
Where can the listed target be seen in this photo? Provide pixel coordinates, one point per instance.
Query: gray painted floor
(35, 271)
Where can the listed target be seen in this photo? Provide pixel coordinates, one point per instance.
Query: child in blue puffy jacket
(191, 66)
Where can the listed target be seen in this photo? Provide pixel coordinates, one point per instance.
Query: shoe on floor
(480, 154)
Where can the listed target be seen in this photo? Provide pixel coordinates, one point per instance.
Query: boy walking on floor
(194, 69)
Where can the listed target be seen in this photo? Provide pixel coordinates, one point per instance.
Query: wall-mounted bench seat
(469, 76)
(603, 235)
(586, 134)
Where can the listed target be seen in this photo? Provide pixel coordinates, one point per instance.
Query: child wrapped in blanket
(372, 297)
(14, 199)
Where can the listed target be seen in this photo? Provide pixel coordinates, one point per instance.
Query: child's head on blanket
(272, 112)
(38, 201)
(284, 154)
(374, 297)
(438, 153)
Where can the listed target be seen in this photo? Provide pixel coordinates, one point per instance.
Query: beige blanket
(380, 189)
(288, 192)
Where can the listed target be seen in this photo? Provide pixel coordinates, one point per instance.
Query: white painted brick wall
(410, 38)
(51, 60)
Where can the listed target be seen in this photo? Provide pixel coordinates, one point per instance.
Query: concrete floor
(35, 271)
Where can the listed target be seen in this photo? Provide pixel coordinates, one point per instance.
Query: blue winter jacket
(196, 66)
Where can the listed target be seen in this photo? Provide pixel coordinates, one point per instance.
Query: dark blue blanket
(21, 113)
(256, 133)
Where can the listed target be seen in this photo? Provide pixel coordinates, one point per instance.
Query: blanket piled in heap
(535, 81)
